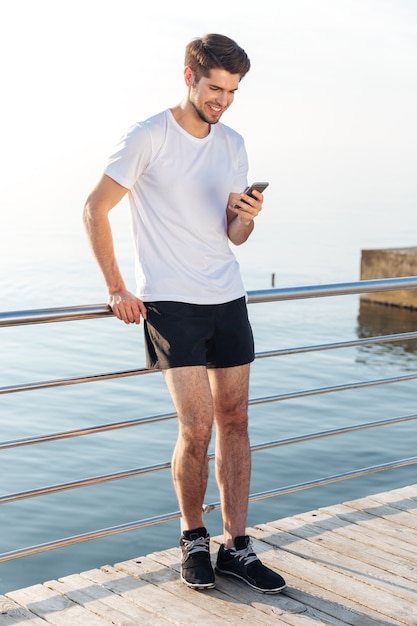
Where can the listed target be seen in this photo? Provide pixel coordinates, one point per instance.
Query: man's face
(212, 95)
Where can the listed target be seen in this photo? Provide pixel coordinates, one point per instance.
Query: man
(184, 173)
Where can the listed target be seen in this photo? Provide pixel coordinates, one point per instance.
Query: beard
(203, 117)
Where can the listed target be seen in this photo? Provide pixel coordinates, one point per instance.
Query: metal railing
(40, 316)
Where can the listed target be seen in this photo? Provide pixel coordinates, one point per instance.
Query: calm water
(299, 250)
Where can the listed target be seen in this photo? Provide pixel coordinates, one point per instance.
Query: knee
(195, 439)
(234, 419)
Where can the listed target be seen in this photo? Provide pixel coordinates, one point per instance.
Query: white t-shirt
(178, 191)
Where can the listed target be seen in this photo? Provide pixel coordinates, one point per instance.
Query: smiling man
(184, 173)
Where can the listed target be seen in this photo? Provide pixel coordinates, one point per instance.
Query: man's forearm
(239, 229)
(101, 241)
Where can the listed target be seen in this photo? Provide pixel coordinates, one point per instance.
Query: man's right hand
(127, 307)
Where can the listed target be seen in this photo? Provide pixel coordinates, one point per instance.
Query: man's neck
(190, 121)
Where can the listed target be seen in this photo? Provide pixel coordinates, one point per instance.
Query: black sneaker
(196, 569)
(242, 562)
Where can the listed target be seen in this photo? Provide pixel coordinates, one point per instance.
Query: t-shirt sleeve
(131, 156)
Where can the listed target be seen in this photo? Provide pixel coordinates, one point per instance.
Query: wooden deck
(353, 563)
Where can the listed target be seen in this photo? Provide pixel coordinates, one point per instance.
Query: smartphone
(258, 186)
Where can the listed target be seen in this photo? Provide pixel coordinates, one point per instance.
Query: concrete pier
(390, 263)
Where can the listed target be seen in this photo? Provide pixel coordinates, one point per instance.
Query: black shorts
(215, 335)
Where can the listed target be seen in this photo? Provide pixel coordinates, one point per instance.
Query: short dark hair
(215, 51)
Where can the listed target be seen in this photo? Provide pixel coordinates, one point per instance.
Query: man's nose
(222, 100)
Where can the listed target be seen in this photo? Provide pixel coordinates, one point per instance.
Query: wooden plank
(119, 611)
(374, 562)
(146, 595)
(394, 500)
(12, 613)
(342, 592)
(216, 604)
(367, 537)
(320, 588)
(331, 606)
(375, 524)
(392, 514)
(54, 608)
(239, 600)
(305, 563)
(351, 564)
(383, 575)
(410, 491)
(313, 590)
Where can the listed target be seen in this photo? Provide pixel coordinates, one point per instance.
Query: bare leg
(230, 395)
(190, 391)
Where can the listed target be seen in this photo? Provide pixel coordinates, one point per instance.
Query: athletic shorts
(215, 335)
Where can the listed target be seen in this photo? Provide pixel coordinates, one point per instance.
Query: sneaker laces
(246, 555)
(201, 544)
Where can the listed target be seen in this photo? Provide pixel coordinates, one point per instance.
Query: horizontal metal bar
(113, 530)
(79, 432)
(32, 493)
(60, 382)
(76, 380)
(86, 482)
(95, 534)
(332, 432)
(207, 508)
(14, 443)
(90, 311)
(60, 314)
(333, 388)
(332, 289)
(334, 479)
(353, 343)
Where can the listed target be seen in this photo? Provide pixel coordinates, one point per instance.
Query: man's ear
(188, 76)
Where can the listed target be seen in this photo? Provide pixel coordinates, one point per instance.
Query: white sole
(227, 573)
(196, 586)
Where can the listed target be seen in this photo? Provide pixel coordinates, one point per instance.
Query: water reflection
(378, 319)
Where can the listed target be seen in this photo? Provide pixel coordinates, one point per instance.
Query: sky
(328, 110)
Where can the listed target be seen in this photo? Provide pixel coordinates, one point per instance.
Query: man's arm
(99, 203)
(240, 221)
